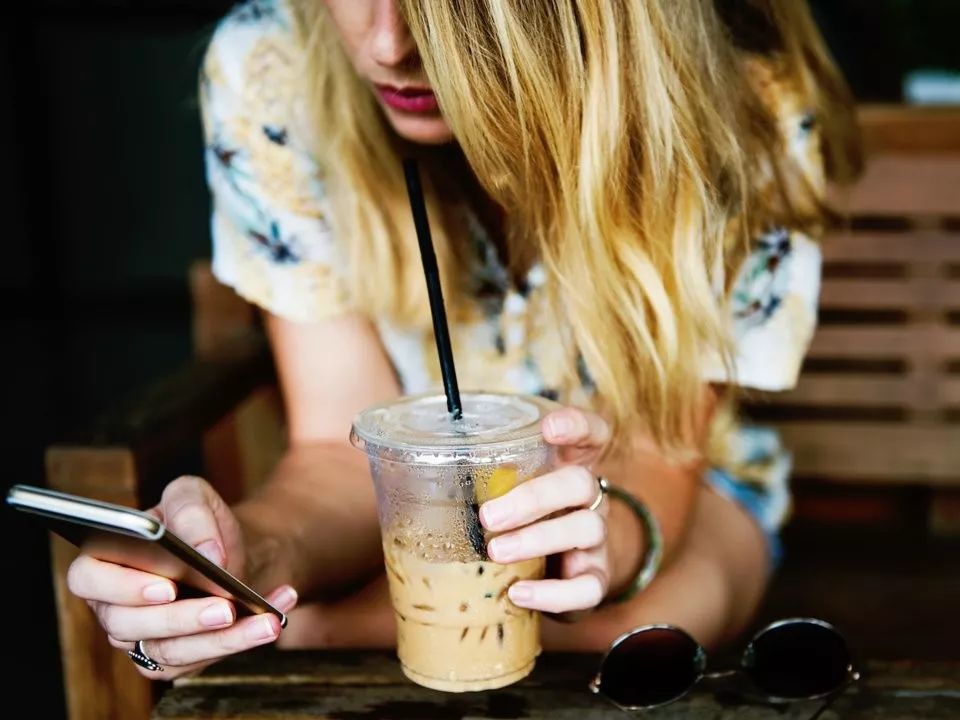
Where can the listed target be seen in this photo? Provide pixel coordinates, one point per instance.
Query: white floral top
(273, 245)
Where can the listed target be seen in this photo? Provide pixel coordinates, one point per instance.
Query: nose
(391, 41)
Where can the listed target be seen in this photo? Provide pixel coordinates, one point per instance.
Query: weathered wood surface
(369, 686)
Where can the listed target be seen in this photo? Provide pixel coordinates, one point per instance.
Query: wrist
(639, 561)
(267, 563)
(625, 538)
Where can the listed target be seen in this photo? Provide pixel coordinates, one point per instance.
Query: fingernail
(261, 628)
(285, 598)
(560, 426)
(520, 593)
(216, 615)
(504, 548)
(210, 549)
(159, 592)
(495, 514)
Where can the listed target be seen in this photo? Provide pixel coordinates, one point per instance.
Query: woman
(609, 204)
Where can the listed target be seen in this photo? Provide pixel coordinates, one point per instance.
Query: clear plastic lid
(418, 429)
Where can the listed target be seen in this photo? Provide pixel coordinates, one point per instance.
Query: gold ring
(603, 484)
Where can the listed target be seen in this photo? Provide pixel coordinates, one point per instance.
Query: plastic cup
(456, 627)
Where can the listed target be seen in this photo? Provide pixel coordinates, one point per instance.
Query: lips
(409, 99)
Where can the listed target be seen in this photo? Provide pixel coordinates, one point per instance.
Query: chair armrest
(157, 422)
(125, 456)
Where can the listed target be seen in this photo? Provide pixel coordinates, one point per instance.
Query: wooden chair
(878, 402)
(224, 406)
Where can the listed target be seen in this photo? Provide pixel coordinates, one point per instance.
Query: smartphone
(136, 539)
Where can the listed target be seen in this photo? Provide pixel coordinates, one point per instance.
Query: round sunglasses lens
(798, 660)
(651, 667)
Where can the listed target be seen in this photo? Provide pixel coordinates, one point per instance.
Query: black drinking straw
(474, 529)
(437, 311)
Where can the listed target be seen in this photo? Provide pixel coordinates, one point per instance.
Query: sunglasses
(788, 660)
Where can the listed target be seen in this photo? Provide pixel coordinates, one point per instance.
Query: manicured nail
(159, 592)
(216, 615)
(210, 549)
(520, 593)
(285, 598)
(502, 549)
(560, 426)
(261, 629)
(495, 514)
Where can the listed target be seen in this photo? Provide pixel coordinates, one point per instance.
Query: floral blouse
(272, 243)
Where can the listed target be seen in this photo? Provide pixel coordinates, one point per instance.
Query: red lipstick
(409, 99)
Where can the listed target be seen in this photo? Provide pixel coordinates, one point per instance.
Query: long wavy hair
(783, 37)
(609, 131)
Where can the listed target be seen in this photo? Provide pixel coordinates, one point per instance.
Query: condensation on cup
(457, 630)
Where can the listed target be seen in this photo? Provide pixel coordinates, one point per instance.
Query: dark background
(104, 206)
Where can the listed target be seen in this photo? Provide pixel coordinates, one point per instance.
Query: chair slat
(917, 130)
(906, 246)
(949, 391)
(850, 390)
(917, 340)
(905, 185)
(895, 452)
(913, 294)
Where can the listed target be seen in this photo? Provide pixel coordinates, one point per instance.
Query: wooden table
(370, 686)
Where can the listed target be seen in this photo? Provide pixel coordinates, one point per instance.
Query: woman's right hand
(183, 636)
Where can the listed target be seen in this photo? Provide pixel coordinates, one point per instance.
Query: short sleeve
(772, 301)
(773, 311)
(775, 293)
(271, 239)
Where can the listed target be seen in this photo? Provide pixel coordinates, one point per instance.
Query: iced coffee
(456, 627)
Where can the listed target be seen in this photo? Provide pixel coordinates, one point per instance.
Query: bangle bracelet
(653, 552)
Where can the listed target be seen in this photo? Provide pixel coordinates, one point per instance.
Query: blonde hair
(357, 154)
(809, 57)
(608, 130)
(784, 38)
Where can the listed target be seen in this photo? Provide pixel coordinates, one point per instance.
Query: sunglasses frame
(700, 661)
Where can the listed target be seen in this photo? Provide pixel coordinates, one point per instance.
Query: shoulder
(259, 145)
(785, 98)
(774, 309)
(252, 57)
(779, 88)
(250, 22)
(271, 239)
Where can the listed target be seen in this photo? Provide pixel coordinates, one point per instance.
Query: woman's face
(384, 54)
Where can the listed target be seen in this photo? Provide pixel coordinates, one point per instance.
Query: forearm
(363, 620)
(313, 525)
(711, 589)
(668, 489)
(670, 494)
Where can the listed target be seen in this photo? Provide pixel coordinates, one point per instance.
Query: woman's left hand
(579, 535)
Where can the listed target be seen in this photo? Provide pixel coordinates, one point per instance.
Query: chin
(421, 129)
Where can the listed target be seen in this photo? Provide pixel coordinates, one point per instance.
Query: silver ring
(603, 484)
(140, 657)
